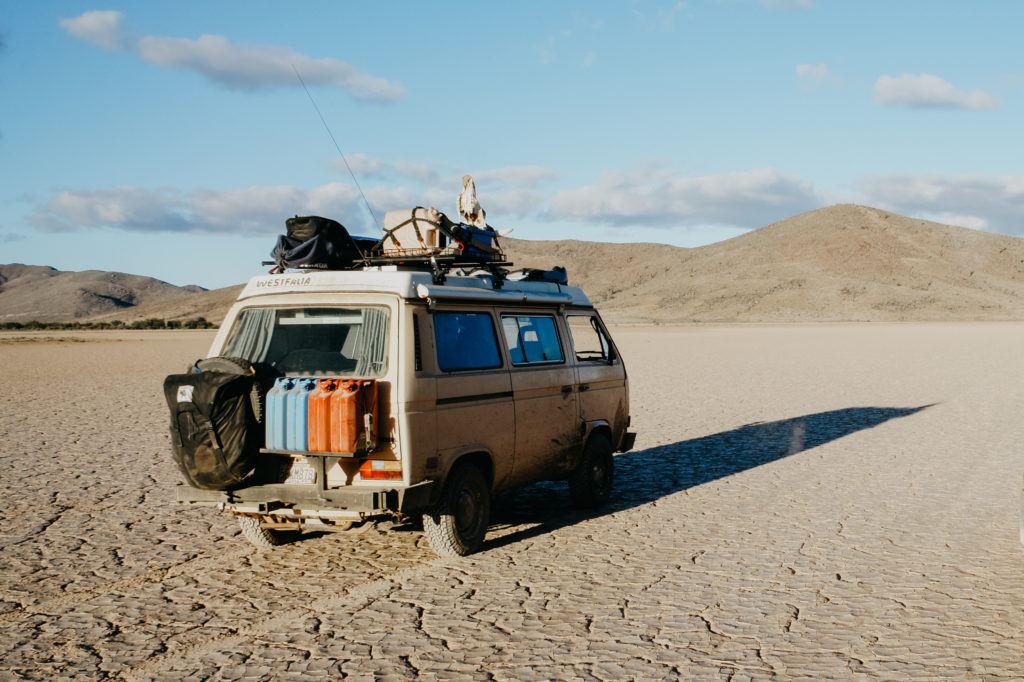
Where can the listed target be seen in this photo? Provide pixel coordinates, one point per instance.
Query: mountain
(212, 305)
(36, 292)
(841, 263)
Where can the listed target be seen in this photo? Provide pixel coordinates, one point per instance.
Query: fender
(591, 426)
(477, 453)
(587, 428)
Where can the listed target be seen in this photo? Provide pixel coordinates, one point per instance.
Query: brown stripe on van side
(475, 396)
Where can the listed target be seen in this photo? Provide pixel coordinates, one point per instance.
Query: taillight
(379, 469)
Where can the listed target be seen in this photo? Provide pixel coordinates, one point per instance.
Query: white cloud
(510, 190)
(516, 176)
(256, 66)
(263, 209)
(440, 176)
(974, 222)
(812, 75)
(979, 201)
(546, 53)
(654, 196)
(241, 66)
(254, 210)
(518, 203)
(362, 165)
(788, 4)
(424, 172)
(667, 17)
(648, 194)
(922, 91)
(134, 208)
(99, 27)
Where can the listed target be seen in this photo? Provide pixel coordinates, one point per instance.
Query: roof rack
(440, 246)
(440, 265)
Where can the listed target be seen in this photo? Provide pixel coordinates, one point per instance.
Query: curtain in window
(255, 331)
(371, 349)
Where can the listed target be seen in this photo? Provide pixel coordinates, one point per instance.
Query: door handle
(584, 387)
(566, 389)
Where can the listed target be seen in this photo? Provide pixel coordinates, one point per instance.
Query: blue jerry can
(298, 415)
(277, 412)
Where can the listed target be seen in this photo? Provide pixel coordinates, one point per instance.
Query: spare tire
(216, 416)
(230, 365)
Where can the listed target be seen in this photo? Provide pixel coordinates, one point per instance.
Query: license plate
(301, 472)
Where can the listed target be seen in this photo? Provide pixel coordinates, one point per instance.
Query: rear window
(350, 341)
(465, 341)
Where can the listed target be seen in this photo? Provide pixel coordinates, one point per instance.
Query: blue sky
(173, 139)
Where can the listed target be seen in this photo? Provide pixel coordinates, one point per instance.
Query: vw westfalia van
(478, 387)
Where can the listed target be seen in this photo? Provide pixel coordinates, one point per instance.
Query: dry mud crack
(825, 502)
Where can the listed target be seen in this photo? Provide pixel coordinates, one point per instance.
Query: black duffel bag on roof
(305, 227)
(318, 243)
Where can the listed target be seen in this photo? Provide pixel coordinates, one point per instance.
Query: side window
(465, 341)
(531, 339)
(588, 340)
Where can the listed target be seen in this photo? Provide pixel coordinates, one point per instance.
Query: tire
(225, 364)
(590, 483)
(457, 524)
(264, 537)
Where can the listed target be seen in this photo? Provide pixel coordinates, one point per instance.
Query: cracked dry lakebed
(803, 502)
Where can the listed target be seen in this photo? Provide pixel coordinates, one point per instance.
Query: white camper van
(470, 387)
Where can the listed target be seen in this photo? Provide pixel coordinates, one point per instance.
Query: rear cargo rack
(358, 454)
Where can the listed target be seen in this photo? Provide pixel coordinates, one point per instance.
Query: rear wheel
(264, 537)
(457, 524)
(590, 483)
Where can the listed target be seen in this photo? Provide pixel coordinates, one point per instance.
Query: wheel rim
(599, 474)
(467, 508)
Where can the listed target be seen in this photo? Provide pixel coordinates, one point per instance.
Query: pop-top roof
(413, 284)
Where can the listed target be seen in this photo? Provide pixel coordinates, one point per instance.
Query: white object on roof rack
(421, 235)
(469, 208)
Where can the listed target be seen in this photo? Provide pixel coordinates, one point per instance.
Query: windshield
(313, 341)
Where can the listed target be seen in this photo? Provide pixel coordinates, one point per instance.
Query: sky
(174, 139)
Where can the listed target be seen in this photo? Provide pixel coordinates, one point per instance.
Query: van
(475, 383)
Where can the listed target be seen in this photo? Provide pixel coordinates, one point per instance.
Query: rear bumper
(366, 500)
(628, 439)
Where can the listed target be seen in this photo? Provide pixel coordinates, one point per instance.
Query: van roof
(414, 284)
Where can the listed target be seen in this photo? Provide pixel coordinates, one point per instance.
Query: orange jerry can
(320, 415)
(354, 416)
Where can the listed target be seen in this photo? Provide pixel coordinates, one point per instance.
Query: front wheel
(590, 483)
(456, 525)
(264, 537)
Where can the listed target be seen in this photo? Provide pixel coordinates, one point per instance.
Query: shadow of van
(643, 476)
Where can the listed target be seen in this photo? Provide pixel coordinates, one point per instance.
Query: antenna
(340, 153)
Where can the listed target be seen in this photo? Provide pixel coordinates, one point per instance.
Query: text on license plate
(301, 472)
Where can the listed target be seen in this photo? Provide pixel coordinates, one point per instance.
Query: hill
(841, 263)
(212, 305)
(35, 292)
